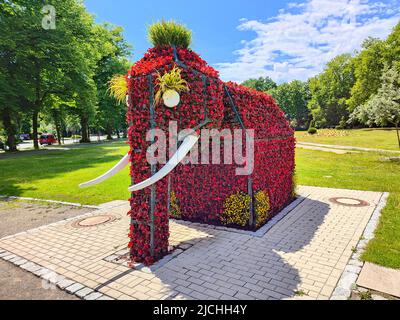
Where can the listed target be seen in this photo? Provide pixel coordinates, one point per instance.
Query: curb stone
(347, 281)
(73, 204)
(46, 274)
(84, 292)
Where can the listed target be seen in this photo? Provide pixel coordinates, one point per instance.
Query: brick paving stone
(307, 249)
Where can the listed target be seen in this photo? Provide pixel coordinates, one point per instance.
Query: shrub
(293, 123)
(312, 130)
(342, 124)
(174, 210)
(237, 209)
(261, 207)
(167, 33)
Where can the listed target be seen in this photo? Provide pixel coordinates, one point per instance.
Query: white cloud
(297, 45)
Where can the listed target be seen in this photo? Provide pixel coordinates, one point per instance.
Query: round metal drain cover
(93, 221)
(349, 202)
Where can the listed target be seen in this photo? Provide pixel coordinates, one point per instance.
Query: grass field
(384, 138)
(56, 175)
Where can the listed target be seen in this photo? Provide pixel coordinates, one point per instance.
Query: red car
(47, 138)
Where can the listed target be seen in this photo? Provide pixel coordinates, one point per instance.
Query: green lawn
(367, 138)
(56, 175)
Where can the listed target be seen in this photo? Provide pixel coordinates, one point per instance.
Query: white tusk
(113, 171)
(183, 150)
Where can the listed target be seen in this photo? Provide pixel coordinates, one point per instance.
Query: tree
(368, 66)
(110, 114)
(47, 62)
(260, 84)
(391, 53)
(11, 75)
(330, 90)
(292, 97)
(384, 107)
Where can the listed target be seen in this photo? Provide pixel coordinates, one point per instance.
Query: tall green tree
(391, 53)
(383, 108)
(368, 66)
(330, 90)
(51, 61)
(261, 84)
(292, 97)
(110, 115)
(12, 77)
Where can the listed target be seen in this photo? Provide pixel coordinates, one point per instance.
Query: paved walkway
(350, 148)
(310, 147)
(304, 254)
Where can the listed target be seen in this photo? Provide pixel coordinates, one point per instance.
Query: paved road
(28, 144)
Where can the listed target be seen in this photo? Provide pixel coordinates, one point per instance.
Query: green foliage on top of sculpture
(169, 33)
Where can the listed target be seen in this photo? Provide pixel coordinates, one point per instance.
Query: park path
(339, 148)
(302, 255)
(325, 149)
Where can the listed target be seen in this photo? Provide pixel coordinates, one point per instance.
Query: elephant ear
(118, 87)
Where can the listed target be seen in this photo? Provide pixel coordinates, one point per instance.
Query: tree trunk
(10, 130)
(58, 123)
(118, 135)
(85, 129)
(109, 132)
(35, 121)
(398, 135)
(58, 131)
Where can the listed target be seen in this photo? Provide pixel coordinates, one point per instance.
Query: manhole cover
(349, 202)
(93, 221)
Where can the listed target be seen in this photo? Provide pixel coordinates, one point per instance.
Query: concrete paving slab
(379, 278)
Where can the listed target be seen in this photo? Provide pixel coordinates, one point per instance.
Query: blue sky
(285, 40)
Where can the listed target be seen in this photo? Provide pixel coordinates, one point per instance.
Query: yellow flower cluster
(237, 209)
(261, 207)
(175, 210)
(294, 186)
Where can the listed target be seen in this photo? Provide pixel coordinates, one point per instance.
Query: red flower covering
(201, 189)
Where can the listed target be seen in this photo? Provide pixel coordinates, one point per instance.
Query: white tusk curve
(178, 156)
(113, 171)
